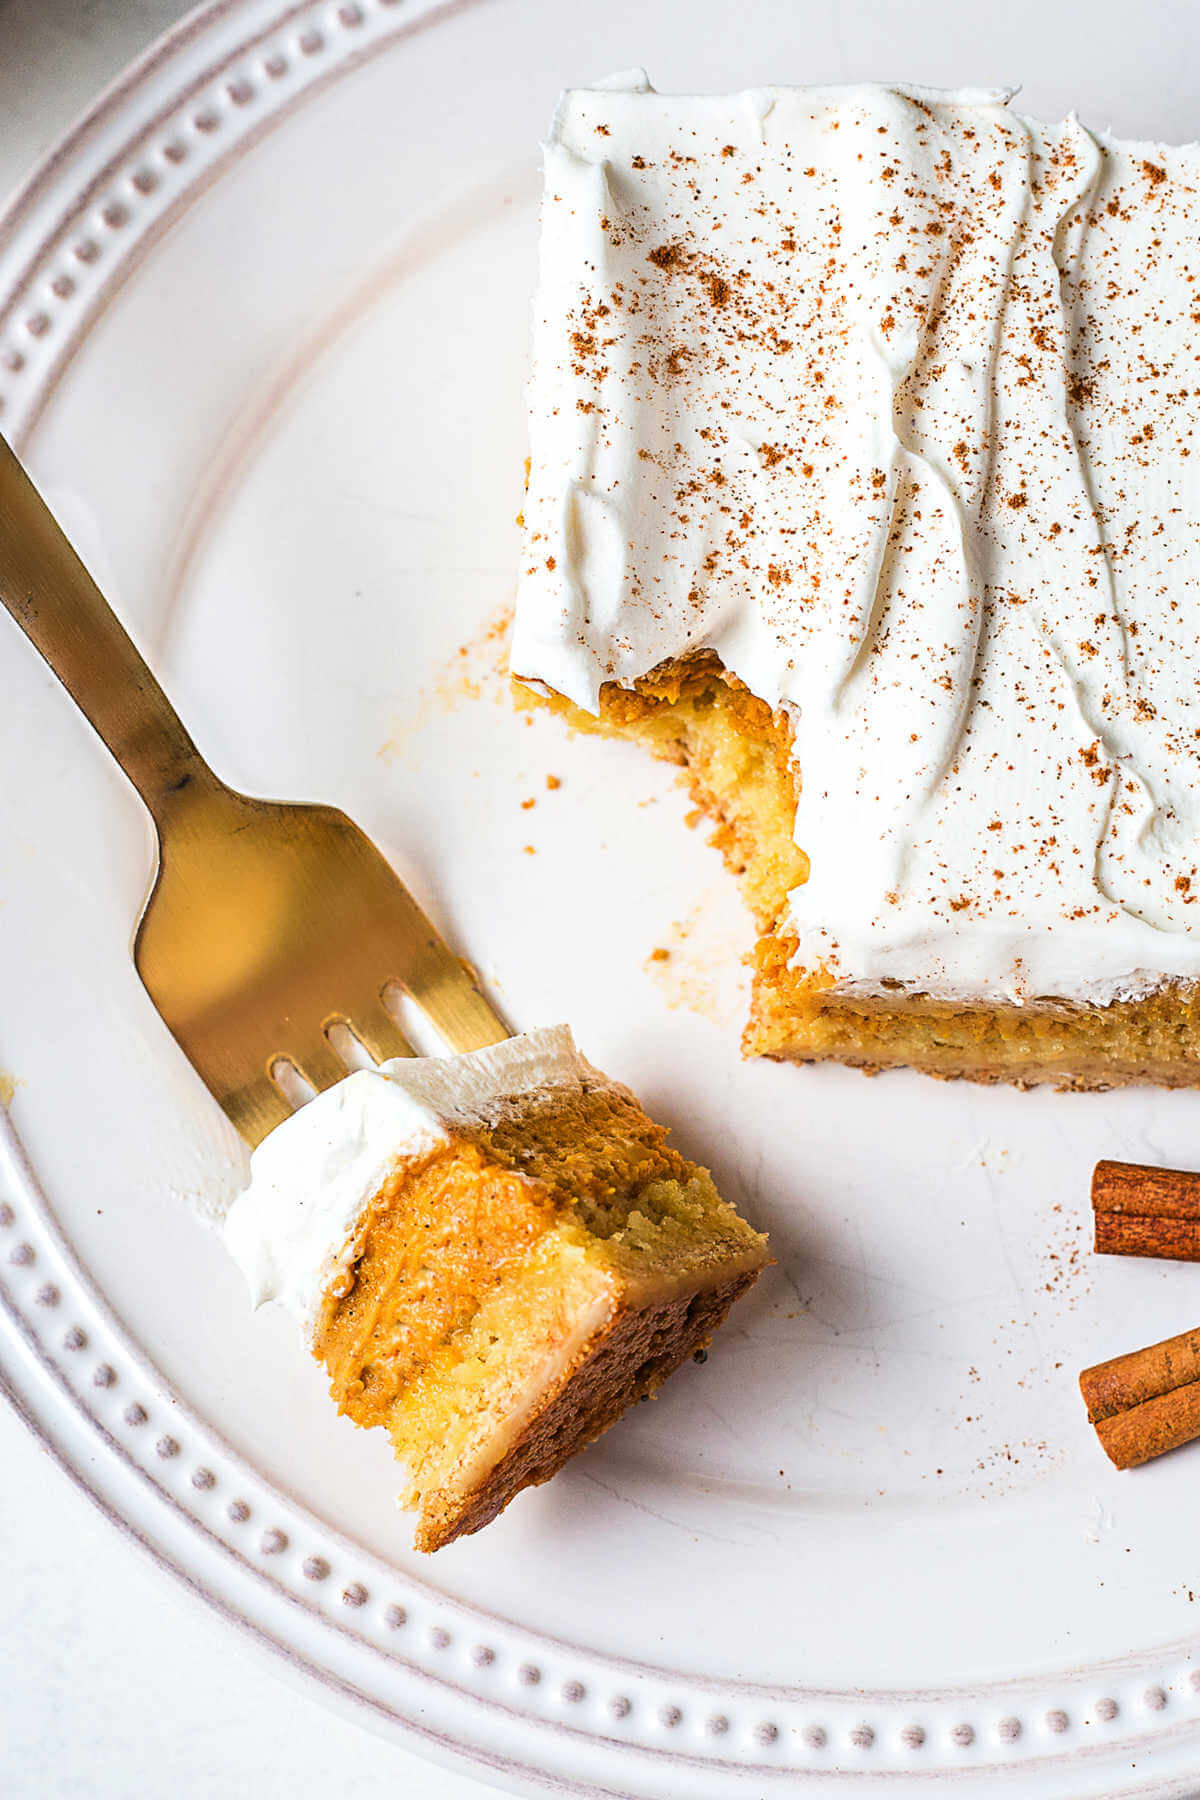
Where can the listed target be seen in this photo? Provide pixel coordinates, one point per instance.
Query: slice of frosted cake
(862, 484)
(493, 1255)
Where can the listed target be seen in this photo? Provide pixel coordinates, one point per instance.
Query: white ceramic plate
(263, 327)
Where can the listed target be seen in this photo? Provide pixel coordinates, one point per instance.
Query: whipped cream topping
(293, 1228)
(889, 397)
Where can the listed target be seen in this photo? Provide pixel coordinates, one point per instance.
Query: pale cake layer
(625, 1360)
(496, 1281)
(556, 1354)
(737, 760)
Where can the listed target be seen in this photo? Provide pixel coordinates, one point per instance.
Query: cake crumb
(477, 670)
(695, 970)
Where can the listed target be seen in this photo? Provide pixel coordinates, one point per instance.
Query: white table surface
(113, 1682)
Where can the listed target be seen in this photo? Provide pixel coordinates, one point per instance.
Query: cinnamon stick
(1146, 1402)
(1146, 1212)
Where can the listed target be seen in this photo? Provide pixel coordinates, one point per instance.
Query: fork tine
(256, 1108)
(376, 1031)
(443, 988)
(319, 1063)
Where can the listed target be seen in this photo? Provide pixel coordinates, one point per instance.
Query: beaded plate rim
(460, 1685)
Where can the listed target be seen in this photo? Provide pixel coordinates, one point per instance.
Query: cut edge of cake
(735, 754)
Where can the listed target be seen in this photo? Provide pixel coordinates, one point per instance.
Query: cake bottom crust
(735, 755)
(627, 1359)
(1072, 1077)
(1152, 1042)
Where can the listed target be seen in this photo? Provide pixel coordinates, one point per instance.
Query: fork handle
(62, 612)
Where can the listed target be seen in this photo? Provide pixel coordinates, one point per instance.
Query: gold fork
(269, 926)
